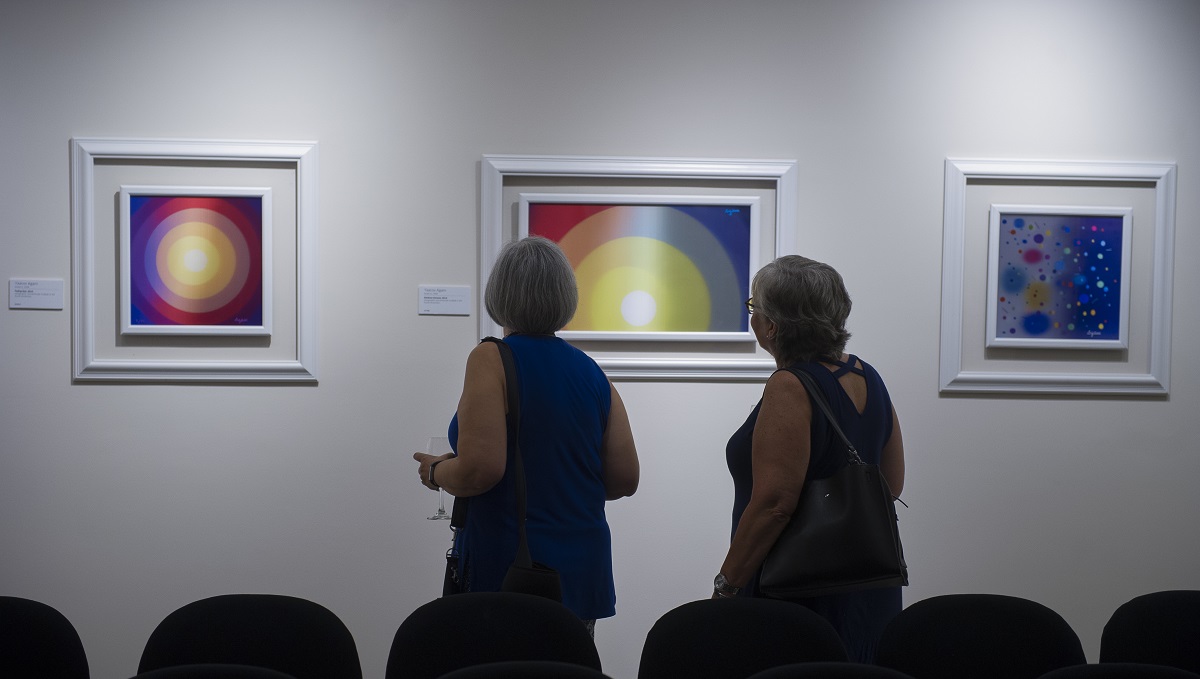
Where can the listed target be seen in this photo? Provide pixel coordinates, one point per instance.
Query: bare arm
(779, 456)
(482, 430)
(891, 461)
(618, 454)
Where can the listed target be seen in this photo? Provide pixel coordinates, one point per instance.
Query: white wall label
(444, 300)
(35, 293)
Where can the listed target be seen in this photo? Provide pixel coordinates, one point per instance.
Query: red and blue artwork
(1060, 277)
(653, 268)
(195, 260)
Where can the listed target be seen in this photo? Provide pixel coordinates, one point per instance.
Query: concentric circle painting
(195, 261)
(653, 267)
(1058, 277)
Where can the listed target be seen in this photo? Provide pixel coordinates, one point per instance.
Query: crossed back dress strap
(847, 367)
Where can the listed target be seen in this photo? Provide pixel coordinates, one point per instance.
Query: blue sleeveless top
(860, 616)
(565, 400)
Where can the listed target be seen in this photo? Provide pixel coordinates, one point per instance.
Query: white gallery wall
(122, 502)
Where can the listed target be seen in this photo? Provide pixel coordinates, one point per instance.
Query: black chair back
(1161, 628)
(38, 641)
(1118, 670)
(476, 628)
(287, 634)
(526, 669)
(732, 638)
(214, 671)
(830, 670)
(982, 636)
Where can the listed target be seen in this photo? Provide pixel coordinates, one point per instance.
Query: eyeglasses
(750, 305)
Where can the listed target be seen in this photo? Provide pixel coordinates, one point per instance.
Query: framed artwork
(663, 250)
(652, 267)
(1056, 276)
(193, 260)
(1047, 286)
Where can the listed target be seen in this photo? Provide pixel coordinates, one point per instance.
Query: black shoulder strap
(513, 389)
(818, 398)
(458, 515)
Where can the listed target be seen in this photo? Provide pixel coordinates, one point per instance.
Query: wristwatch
(723, 589)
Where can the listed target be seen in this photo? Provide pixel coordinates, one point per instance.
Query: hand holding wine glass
(437, 447)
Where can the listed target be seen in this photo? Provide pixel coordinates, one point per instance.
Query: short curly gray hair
(532, 287)
(808, 303)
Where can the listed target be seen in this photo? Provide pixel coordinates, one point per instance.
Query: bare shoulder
(484, 365)
(784, 385)
(484, 354)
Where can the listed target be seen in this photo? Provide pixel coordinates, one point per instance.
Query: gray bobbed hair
(532, 287)
(808, 303)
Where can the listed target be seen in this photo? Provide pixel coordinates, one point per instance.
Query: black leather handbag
(844, 534)
(525, 575)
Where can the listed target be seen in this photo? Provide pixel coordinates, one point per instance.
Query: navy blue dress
(565, 402)
(859, 617)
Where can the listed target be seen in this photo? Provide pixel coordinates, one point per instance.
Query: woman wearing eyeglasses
(798, 313)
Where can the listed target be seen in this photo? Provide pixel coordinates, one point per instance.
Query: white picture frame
(97, 351)
(726, 359)
(1141, 369)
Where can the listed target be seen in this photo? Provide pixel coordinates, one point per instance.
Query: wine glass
(439, 445)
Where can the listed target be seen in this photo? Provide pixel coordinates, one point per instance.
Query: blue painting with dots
(1059, 277)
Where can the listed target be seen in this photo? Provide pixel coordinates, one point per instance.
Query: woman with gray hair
(798, 309)
(576, 443)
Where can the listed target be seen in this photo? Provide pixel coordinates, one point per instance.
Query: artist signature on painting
(240, 321)
(1094, 333)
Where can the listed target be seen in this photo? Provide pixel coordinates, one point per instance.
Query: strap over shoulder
(818, 398)
(513, 388)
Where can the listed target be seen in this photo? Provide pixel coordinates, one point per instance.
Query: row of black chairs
(957, 636)
(506, 636)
